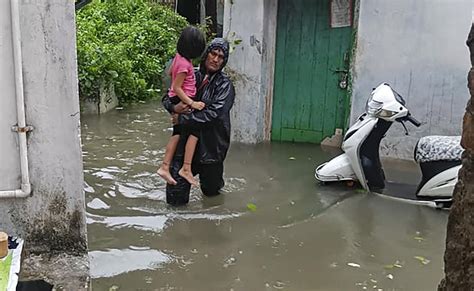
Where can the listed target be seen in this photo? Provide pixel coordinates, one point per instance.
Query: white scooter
(439, 157)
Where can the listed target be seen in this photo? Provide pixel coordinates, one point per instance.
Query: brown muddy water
(274, 228)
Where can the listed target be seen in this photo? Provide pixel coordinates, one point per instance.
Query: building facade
(304, 69)
(38, 81)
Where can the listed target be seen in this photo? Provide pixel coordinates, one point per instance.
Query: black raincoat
(217, 92)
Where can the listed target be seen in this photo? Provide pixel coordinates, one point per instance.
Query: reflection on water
(155, 223)
(114, 262)
(274, 228)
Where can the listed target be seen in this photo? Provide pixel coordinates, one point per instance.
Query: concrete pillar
(251, 65)
(459, 256)
(106, 102)
(52, 220)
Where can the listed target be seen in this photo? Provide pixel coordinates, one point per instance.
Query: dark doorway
(190, 9)
(211, 14)
(214, 10)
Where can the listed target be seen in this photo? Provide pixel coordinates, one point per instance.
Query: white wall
(9, 155)
(419, 48)
(54, 216)
(251, 65)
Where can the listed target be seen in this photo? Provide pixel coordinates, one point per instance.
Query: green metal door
(311, 64)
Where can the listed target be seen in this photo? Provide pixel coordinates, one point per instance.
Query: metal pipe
(21, 128)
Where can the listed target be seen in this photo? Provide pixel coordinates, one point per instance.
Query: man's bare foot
(166, 175)
(188, 176)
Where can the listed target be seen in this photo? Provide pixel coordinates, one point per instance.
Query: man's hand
(181, 108)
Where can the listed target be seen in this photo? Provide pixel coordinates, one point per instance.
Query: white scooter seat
(438, 148)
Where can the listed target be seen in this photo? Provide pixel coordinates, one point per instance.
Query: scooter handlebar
(413, 120)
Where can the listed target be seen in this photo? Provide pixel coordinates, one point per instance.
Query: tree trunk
(459, 255)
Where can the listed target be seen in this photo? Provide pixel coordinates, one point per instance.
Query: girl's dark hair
(191, 43)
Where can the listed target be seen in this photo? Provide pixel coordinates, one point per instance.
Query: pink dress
(182, 65)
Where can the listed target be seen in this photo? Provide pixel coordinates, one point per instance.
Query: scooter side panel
(441, 185)
(337, 169)
(352, 145)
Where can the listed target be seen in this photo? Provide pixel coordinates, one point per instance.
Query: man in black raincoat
(216, 90)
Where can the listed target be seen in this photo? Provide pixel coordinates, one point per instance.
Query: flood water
(274, 227)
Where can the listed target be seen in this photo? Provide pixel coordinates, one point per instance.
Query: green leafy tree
(127, 43)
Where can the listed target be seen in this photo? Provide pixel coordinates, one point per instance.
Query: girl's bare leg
(164, 170)
(186, 171)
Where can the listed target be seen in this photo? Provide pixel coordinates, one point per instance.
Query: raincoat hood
(217, 43)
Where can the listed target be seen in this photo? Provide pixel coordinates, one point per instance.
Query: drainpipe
(21, 128)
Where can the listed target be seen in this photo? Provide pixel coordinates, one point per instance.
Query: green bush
(126, 42)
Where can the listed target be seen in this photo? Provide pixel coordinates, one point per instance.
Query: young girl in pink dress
(191, 45)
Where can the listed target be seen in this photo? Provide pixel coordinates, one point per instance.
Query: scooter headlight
(386, 113)
(373, 107)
